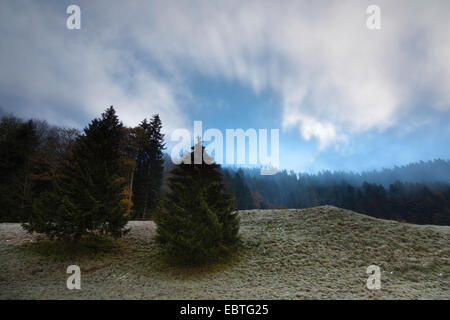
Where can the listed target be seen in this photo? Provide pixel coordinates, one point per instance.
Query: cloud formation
(333, 77)
(69, 77)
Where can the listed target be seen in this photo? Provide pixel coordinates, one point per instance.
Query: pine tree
(150, 167)
(156, 163)
(91, 195)
(141, 179)
(198, 223)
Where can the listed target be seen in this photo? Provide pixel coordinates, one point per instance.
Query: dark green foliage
(149, 167)
(156, 163)
(30, 154)
(18, 142)
(90, 195)
(198, 223)
(235, 184)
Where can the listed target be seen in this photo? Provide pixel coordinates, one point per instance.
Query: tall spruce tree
(156, 163)
(150, 167)
(198, 223)
(91, 195)
(141, 177)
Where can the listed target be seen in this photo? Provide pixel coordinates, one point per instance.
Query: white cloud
(334, 77)
(67, 76)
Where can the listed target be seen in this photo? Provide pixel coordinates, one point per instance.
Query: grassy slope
(315, 253)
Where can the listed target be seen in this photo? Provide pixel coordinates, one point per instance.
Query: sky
(343, 97)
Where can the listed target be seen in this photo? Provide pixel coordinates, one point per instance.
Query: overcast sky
(344, 97)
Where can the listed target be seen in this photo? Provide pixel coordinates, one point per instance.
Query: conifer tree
(91, 195)
(150, 167)
(141, 183)
(156, 162)
(198, 223)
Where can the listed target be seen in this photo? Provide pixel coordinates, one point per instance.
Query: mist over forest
(416, 193)
(426, 172)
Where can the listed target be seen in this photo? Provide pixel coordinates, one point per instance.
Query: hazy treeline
(429, 172)
(415, 198)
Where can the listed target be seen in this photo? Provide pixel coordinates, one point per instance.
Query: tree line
(71, 185)
(409, 201)
(33, 154)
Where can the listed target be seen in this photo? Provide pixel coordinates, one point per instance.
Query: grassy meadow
(316, 253)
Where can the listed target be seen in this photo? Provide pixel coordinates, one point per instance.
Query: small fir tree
(198, 223)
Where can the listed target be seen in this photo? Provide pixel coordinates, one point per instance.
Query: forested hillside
(416, 193)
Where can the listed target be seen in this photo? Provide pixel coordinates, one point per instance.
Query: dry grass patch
(316, 253)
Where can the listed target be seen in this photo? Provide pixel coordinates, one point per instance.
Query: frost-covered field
(317, 253)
